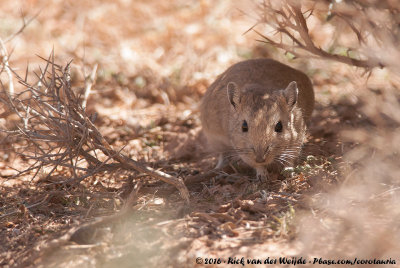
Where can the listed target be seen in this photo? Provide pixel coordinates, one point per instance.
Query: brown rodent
(258, 109)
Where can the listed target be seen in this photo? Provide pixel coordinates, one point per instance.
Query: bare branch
(4, 60)
(59, 132)
(290, 22)
(89, 83)
(22, 28)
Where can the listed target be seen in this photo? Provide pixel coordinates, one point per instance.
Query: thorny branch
(60, 133)
(290, 26)
(5, 55)
(6, 66)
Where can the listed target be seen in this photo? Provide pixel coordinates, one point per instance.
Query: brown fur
(260, 98)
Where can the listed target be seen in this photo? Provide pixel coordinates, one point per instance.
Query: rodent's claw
(262, 174)
(222, 162)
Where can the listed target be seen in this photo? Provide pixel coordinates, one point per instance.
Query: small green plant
(283, 224)
(311, 166)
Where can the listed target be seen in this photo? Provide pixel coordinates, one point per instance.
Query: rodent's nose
(260, 158)
(261, 155)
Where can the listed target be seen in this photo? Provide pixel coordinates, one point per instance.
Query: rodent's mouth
(251, 160)
(256, 164)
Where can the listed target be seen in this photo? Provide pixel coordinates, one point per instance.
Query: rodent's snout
(261, 154)
(260, 159)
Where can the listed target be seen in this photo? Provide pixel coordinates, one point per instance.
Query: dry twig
(59, 133)
(89, 83)
(6, 66)
(4, 53)
(290, 24)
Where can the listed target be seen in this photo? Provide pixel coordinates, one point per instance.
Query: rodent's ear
(291, 93)
(233, 93)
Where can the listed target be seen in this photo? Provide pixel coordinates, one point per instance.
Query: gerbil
(258, 109)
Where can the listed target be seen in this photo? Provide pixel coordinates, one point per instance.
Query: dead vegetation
(54, 122)
(371, 26)
(86, 143)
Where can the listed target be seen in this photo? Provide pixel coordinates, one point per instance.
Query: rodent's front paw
(222, 162)
(262, 174)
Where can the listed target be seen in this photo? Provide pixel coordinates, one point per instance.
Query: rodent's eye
(278, 127)
(245, 127)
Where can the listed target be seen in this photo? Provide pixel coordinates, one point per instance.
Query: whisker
(285, 161)
(279, 161)
(288, 158)
(289, 154)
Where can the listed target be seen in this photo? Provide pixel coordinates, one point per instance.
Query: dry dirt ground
(154, 61)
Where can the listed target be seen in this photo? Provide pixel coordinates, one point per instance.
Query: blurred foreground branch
(59, 133)
(5, 55)
(369, 28)
(6, 66)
